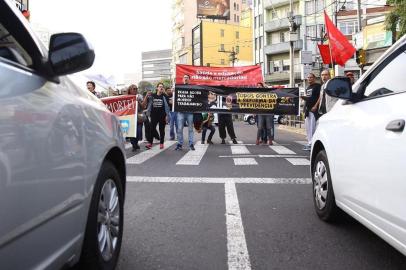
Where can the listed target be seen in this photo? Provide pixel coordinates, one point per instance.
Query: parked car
(359, 149)
(251, 119)
(62, 159)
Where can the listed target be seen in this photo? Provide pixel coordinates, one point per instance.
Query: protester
(350, 76)
(182, 118)
(133, 90)
(310, 108)
(325, 102)
(207, 123)
(173, 121)
(159, 111)
(226, 120)
(91, 86)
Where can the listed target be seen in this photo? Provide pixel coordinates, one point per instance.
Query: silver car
(62, 159)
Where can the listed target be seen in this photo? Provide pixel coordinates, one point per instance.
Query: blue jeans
(173, 124)
(134, 141)
(265, 122)
(182, 117)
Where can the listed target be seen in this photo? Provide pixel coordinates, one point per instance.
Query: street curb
(300, 131)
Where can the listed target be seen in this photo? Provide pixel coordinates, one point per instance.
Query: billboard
(213, 9)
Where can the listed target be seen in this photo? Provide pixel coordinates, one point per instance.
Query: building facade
(185, 36)
(156, 65)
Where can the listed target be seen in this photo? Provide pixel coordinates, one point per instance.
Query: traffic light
(360, 57)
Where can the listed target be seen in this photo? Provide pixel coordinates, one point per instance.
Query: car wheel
(104, 229)
(323, 193)
(251, 121)
(282, 120)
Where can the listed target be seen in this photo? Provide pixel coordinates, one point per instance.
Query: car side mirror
(339, 87)
(69, 53)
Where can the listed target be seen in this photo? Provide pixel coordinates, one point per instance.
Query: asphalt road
(202, 210)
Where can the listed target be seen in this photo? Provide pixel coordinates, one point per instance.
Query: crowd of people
(155, 110)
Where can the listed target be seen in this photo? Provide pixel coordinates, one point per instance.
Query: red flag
(325, 53)
(341, 48)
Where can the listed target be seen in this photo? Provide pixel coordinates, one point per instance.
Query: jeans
(212, 130)
(182, 117)
(173, 124)
(155, 120)
(134, 141)
(266, 122)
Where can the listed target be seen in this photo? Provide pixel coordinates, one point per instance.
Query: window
(238, 7)
(237, 34)
(309, 7)
(390, 78)
(222, 62)
(255, 22)
(256, 44)
(237, 49)
(222, 47)
(273, 15)
(235, 6)
(282, 37)
(238, 18)
(235, 18)
(260, 20)
(221, 32)
(260, 42)
(320, 5)
(259, 2)
(11, 50)
(348, 27)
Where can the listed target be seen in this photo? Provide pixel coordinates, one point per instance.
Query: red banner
(341, 48)
(216, 76)
(120, 105)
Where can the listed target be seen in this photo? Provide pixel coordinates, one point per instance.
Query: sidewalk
(297, 130)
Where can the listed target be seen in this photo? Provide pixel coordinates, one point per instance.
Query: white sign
(358, 39)
(306, 57)
(305, 70)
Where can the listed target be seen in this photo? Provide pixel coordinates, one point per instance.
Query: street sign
(305, 69)
(306, 57)
(358, 39)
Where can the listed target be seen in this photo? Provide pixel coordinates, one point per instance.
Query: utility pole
(292, 38)
(232, 56)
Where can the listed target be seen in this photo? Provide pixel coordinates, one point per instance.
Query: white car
(251, 119)
(358, 153)
(62, 156)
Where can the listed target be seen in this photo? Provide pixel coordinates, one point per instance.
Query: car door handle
(396, 125)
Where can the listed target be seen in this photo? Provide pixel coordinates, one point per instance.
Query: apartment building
(156, 65)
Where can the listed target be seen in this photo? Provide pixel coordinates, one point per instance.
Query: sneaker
(192, 147)
(209, 142)
(257, 142)
(136, 147)
(161, 146)
(172, 139)
(203, 142)
(235, 141)
(178, 147)
(270, 142)
(223, 141)
(148, 146)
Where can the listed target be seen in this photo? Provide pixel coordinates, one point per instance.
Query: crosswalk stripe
(194, 157)
(244, 161)
(298, 161)
(217, 180)
(302, 142)
(281, 150)
(147, 154)
(239, 150)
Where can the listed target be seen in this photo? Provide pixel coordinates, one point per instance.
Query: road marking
(238, 257)
(298, 161)
(239, 150)
(147, 154)
(217, 180)
(245, 161)
(281, 150)
(302, 142)
(194, 157)
(264, 156)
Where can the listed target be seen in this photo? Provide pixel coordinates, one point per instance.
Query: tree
(145, 86)
(167, 83)
(395, 17)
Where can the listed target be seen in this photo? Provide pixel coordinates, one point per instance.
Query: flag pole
(329, 45)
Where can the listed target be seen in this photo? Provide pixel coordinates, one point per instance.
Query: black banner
(201, 98)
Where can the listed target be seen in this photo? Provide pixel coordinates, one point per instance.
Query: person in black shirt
(310, 108)
(158, 109)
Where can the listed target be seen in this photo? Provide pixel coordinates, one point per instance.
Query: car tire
(251, 120)
(282, 120)
(323, 193)
(104, 254)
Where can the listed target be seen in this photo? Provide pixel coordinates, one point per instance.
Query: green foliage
(396, 16)
(167, 83)
(145, 86)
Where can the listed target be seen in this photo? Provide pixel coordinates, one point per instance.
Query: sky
(119, 30)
